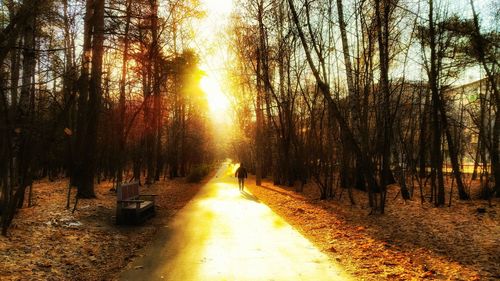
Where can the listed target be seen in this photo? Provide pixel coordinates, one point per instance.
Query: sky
(212, 48)
(486, 9)
(210, 43)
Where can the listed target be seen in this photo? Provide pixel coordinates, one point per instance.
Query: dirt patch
(48, 242)
(411, 241)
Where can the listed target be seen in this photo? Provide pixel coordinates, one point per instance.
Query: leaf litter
(48, 242)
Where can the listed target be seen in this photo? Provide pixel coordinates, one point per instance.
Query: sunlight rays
(211, 45)
(217, 101)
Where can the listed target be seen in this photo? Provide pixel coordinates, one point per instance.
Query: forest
(349, 96)
(365, 94)
(84, 95)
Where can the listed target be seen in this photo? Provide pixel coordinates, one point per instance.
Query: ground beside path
(48, 242)
(412, 241)
(223, 234)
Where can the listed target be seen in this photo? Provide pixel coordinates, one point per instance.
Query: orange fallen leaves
(48, 242)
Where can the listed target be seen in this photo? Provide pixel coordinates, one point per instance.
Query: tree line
(362, 94)
(98, 89)
(346, 93)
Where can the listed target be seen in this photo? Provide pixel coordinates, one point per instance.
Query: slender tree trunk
(70, 77)
(382, 14)
(452, 150)
(492, 79)
(6, 167)
(495, 152)
(157, 105)
(437, 157)
(423, 137)
(366, 163)
(258, 131)
(86, 190)
(345, 48)
(83, 91)
(261, 79)
(121, 103)
(15, 58)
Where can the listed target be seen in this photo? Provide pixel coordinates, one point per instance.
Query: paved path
(223, 234)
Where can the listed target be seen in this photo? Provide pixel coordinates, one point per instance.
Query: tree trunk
(90, 99)
(437, 158)
(121, 103)
(86, 190)
(463, 195)
(495, 152)
(262, 89)
(423, 139)
(68, 91)
(258, 131)
(83, 91)
(156, 93)
(383, 14)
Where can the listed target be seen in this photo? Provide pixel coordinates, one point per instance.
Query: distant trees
(343, 100)
(346, 93)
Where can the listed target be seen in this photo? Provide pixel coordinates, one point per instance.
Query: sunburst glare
(217, 100)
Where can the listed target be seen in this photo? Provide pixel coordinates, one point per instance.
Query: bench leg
(119, 216)
(137, 218)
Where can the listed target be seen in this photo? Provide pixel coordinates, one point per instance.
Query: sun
(211, 45)
(217, 100)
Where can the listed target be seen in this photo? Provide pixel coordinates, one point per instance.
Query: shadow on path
(249, 196)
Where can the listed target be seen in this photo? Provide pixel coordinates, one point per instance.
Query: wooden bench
(131, 206)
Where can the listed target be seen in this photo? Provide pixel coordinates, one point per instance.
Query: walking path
(223, 234)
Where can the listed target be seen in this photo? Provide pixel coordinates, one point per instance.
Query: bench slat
(143, 205)
(129, 205)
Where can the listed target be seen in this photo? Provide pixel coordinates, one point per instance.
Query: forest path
(223, 234)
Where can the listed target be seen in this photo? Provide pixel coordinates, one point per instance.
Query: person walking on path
(241, 174)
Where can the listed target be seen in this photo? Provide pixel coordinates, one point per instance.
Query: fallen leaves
(48, 242)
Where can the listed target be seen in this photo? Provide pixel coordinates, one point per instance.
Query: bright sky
(212, 47)
(211, 44)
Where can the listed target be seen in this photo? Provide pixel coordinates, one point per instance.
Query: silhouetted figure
(241, 173)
